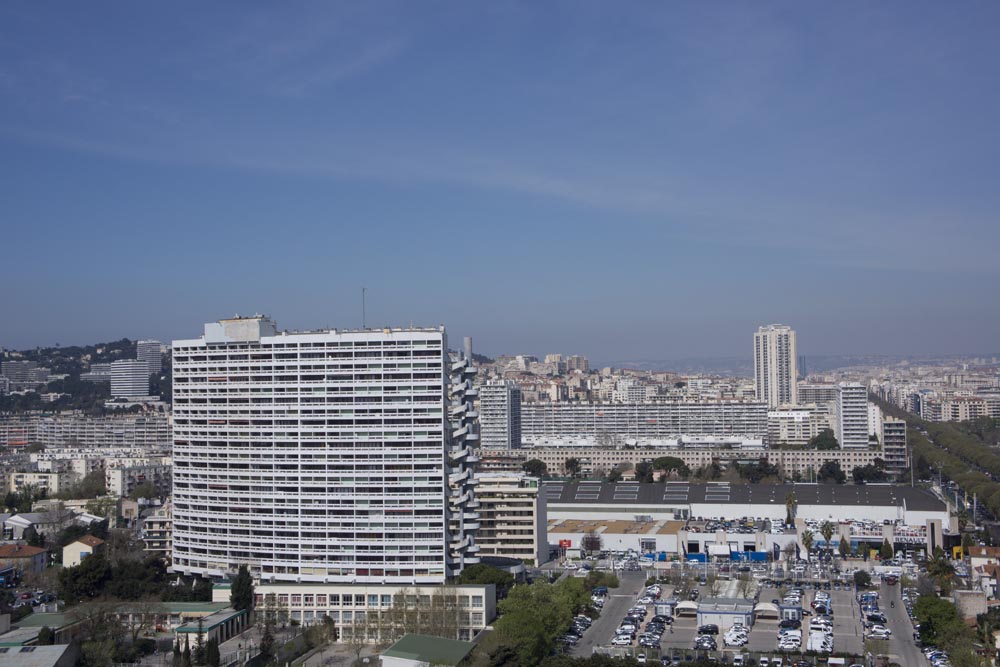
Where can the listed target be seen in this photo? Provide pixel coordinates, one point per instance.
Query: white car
(621, 640)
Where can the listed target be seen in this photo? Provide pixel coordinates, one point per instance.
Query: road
(901, 643)
(619, 601)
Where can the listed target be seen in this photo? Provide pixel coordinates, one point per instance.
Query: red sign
(565, 544)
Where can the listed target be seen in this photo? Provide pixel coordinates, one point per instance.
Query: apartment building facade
(513, 518)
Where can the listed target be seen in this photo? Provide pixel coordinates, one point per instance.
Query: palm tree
(827, 530)
(791, 504)
(807, 539)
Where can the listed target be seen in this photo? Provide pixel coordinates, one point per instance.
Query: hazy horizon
(568, 177)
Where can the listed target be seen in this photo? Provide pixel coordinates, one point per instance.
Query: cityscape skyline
(662, 180)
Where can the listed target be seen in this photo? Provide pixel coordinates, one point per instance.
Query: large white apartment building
(500, 415)
(852, 415)
(775, 359)
(611, 423)
(333, 457)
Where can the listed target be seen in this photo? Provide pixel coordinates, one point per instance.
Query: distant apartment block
(852, 416)
(121, 479)
(150, 352)
(609, 423)
(512, 518)
(775, 365)
(98, 373)
(817, 394)
(23, 375)
(50, 482)
(795, 426)
(144, 431)
(593, 461)
(500, 415)
(129, 379)
(896, 453)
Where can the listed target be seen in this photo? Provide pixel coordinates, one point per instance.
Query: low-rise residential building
(23, 558)
(74, 552)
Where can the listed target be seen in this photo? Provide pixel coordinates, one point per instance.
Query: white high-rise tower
(324, 457)
(775, 365)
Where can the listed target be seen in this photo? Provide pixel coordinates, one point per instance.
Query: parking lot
(679, 638)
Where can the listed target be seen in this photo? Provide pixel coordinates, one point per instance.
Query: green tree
(46, 637)
(532, 616)
(845, 548)
(186, 655)
(481, 573)
(241, 594)
(212, 655)
(85, 581)
(825, 439)
(33, 537)
(862, 579)
(939, 620)
(572, 466)
(644, 472)
(830, 472)
(178, 659)
(885, 552)
(535, 468)
(145, 490)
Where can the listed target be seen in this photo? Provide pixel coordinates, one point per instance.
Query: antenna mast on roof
(364, 316)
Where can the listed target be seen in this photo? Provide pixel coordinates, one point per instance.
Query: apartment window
(477, 600)
(296, 600)
(372, 600)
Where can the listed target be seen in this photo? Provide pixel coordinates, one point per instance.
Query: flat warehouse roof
(674, 494)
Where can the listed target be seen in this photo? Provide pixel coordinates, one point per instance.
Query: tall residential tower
(774, 365)
(323, 457)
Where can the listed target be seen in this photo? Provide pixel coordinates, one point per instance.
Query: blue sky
(649, 180)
